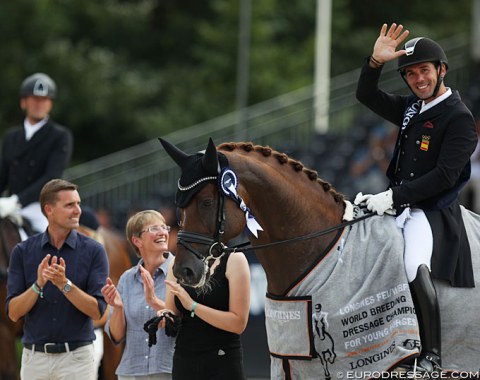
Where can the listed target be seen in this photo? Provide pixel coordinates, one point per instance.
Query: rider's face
(36, 107)
(422, 79)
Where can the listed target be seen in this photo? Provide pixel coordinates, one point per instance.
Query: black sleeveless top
(197, 336)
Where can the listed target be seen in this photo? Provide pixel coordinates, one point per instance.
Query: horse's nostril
(187, 273)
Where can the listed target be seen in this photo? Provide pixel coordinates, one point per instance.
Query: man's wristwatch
(68, 286)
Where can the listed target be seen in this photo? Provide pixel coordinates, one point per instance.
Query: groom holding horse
(430, 165)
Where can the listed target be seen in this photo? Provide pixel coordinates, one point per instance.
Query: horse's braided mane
(283, 159)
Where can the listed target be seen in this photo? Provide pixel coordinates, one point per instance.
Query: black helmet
(38, 84)
(419, 50)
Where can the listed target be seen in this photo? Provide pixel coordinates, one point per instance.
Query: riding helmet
(38, 84)
(419, 50)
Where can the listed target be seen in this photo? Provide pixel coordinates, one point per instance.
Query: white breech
(98, 347)
(418, 238)
(33, 213)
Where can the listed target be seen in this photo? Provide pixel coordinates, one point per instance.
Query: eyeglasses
(155, 229)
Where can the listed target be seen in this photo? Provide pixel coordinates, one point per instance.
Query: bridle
(186, 238)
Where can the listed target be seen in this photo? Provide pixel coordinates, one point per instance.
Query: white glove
(9, 205)
(381, 203)
(360, 198)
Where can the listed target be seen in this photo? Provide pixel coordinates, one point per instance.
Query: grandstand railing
(144, 174)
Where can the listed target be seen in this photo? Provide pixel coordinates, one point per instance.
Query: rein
(300, 238)
(184, 238)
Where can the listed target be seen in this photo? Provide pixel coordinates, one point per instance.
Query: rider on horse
(430, 165)
(34, 153)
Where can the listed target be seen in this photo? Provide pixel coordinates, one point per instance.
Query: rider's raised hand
(385, 48)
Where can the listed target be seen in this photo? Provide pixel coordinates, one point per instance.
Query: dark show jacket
(25, 166)
(430, 165)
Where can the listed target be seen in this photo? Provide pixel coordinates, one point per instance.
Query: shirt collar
(435, 101)
(163, 267)
(71, 239)
(31, 129)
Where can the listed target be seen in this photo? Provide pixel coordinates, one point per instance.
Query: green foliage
(131, 70)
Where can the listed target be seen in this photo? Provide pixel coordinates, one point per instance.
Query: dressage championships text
(408, 375)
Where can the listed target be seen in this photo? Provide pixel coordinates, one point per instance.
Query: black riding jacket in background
(25, 166)
(430, 165)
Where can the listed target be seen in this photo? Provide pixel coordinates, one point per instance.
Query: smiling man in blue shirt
(54, 283)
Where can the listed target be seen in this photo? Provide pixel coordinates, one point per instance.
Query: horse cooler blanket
(353, 312)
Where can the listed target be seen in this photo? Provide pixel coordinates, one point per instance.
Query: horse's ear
(176, 154)
(210, 158)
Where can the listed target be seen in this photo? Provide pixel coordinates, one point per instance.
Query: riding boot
(27, 227)
(428, 314)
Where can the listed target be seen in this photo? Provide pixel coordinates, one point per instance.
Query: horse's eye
(207, 202)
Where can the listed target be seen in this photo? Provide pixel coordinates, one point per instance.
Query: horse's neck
(286, 263)
(288, 206)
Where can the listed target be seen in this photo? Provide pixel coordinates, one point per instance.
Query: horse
(119, 261)
(9, 331)
(319, 252)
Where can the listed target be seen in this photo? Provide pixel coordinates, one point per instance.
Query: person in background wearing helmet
(34, 153)
(430, 165)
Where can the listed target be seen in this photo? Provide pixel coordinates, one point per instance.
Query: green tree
(131, 70)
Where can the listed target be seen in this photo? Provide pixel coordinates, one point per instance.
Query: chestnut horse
(119, 261)
(296, 225)
(9, 331)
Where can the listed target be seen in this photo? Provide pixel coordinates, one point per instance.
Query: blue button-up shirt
(138, 359)
(53, 318)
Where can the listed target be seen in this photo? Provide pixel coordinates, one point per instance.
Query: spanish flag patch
(425, 142)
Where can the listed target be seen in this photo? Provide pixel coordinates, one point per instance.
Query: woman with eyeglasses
(138, 297)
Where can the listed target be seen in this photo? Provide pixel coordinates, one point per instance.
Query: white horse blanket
(353, 312)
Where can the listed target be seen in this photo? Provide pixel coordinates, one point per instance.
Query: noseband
(186, 238)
